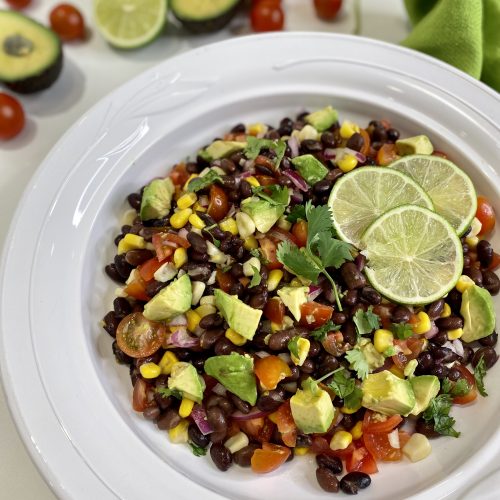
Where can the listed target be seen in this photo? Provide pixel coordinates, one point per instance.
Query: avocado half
(203, 16)
(31, 56)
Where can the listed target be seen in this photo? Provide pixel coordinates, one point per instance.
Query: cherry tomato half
(179, 174)
(18, 4)
(469, 377)
(269, 458)
(267, 16)
(286, 424)
(299, 230)
(67, 21)
(268, 249)
(486, 215)
(11, 117)
(387, 154)
(377, 427)
(139, 337)
(327, 9)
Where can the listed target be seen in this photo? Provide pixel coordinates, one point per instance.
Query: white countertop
(92, 69)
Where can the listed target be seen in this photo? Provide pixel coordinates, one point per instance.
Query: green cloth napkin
(464, 33)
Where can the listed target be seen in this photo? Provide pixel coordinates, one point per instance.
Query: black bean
(322, 187)
(314, 348)
(467, 356)
(311, 146)
(286, 127)
(294, 376)
(112, 272)
(198, 256)
(244, 456)
(279, 341)
(490, 340)
(120, 356)
(444, 355)
(135, 200)
(169, 420)
(197, 242)
(192, 168)
(224, 346)
(491, 282)
(400, 314)
(339, 318)
(216, 418)
(197, 437)
(440, 371)
(327, 480)
(349, 333)
(435, 309)
(484, 252)
(349, 421)
(111, 322)
(270, 401)
(352, 276)
(218, 437)
(332, 463)
(379, 134)
(223, 403)
(153, 287)
(488, 354)
(211, 321)
(236, 289)
(199, 272)
(239, 128)
(356, 142)
(370, 295)
(360, 261)
(441, 338)
(303, 441)
(467, 261)
(449, 323)
(122, 266)
(228, 166)
(328, 363)
(454, 374)
(454, 300)
(258, 301)
(221, 456)
(350, 298)
(151, 413)
(118, 239)
(392, 135)
(425, 361)
(334, 174)
(328, 140)
(242, 406)
(308, 366)
(245, 189)
(475, 275)
(237, 270)
(426, 428)
(121, 307)
(137, 257)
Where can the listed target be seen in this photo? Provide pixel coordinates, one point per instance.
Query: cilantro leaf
(439, 412)
(255, 253)
(255, 278)
(333, 252)
(166, 392)
(402, 330)
(202, 182)
(274, 194)
(342, 385)
(319, 220)
(255, 145)
(297, 212)
(390, 351)
(320, 333)
(297, 261)
(358, 362)
(293, 346)
(198, 451)
(479, 373)
(354, 399)
(366, 322)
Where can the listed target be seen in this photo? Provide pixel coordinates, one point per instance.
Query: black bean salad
(304, 290)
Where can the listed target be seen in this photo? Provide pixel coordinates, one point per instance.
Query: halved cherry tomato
(486, 215)
(219, 204)
(387, 154)
(224, 280)
(139, 337)
(366, 142)
(266, 180)
(18, 4)
(267, 16)
(495, 262)
(140, 395)
(178, 240)
(179, 174)
(148, 269)
(269, 458)
(275, 310)
(279, 235)
(334, 344)
(378, 444)
(163, 248)
(268, 248)
(373, 426)
(286, 424)
(270, 371)
(469, 377)
(137, 289)
(67, 21)
(361, 461)
(299, 230)
(314, 315)
(261, 429)
(327, 9)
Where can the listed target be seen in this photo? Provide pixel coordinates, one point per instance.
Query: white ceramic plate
(70, 400)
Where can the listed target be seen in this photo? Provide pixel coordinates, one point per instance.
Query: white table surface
(92, 69)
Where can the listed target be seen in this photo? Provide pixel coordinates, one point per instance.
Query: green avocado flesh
(30, 54)
(204, 15)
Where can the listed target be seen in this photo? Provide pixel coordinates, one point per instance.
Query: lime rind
(449, 187)
(364, 194)
(414, 255)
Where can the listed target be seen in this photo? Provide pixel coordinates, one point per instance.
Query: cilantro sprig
(256, 278)
(166, 392)
(459, 388)
(358, 362)
(438, 412)
(320, 333)
(402, 331)
(198, 451)
(366, 321)
(293, 346)
(479, 373)
(255, 145)
(202, 182)
(321, 251)
(274, 194)
(297, 212)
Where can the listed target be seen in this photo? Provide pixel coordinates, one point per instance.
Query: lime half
(414, 256)
(129, 24)
(450, 188)
(364, 194)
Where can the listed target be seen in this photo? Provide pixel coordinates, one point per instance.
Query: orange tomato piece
(299, 230)
(387, 154)
(179, 174)
(137, 290)
(495, 262)
(361, 461)
(270, 371)
(275, 310)
(224, 280)
(269, 458)
(268, 249)
(486, 215)
(365, 150)
(373, 426)
(286, 424)
(148, 269)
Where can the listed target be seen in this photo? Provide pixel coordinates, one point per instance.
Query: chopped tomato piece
(440, 154)
(387, 154)
(371, 425)
(179, 174)
(148, 269)
(163, 248)
(361, 461)
(137, 289)
(261, 429)
(299, 230)
(469, 377)
(275, 310)
(140, 395)
(270, 371)
(269, 458)
(266, 180)
(313, 315)
(286, 424)
(279, 235)
(486, 215)
(224, 280)
(380, 447)
(219, 203)
(365, 150)
(268, 249)
(495, 262)
(178, 240)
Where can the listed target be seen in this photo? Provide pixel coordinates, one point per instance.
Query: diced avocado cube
(312, 413)
(242, 318)
(263, 214)
(173, 300)
(323, 119)
(185, 379)
(418, 145)
(221, 149)
(478, 313)
(425, 388)
(157, 199)
(310, 168)
(235, 373)
(293, 297)
(388, 394)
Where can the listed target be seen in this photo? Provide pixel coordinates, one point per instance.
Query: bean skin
(211, 321)
(210, 337)
(113, 273)
(352, 276)
(353, 481)
(350, 298)
(400, 314)
(491, 282)
(327, 480)
(279, 341)
(197, 436)
(370, 295)
(221, 456)
(197, 242)
(332, 463)
(244, 456)
(449, 323)
(475, 275)
(488, 354)
(490, 340)
(270, 401)
(484, 252)
(137, 257)
(168, 421)
(435, 309)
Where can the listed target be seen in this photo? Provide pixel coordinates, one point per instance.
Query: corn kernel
(235, 337)
(205, 310)
(229, 225)
(196, 221)
(180, 257)
(198, 289)
(348, 129)
(191, 177)
(237, 442)
(257, 129)
(193, 320)
(276, 327)
(395, 370)
(198, 208)
(300, 451)
(417, 448)
(246, 225)
(472, 242)
(167, 362)
(303, 346)
(180, 218)
(383, 339)
(357, 430)
(179, 434)
(274, 278)
(250, 243)
(131, 242)
(463, 283)
(253, 181)
(186, 200)
(423, 324)
(150, 370)
(341, 440)
(446, 311)
(455, 334)
(186, 407)
(284, 224)
(347, 163)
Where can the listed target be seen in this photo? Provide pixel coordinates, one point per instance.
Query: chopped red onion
(293, 144)
(458, 347)
(254, 413)
(339, 418)
(393, 438)
(297, 180)
(199, 416)
(331, 154)
(181, 338)
(179, 320)
(183, 233)
(359, 156)
(297, 197)
(314, 291)
(203, 200)
(432, 332)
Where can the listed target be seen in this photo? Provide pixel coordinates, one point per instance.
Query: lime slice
(364, 194)
(129, 24)
(414, 256)
(450, 188)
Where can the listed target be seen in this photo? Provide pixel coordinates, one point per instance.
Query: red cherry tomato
(140, 395)
(314, 315)
(327, 9)
(486, 215)
(162, 247)
(270, 371)
(67, 21)
(137, 289)
(269, 458)
(472, 394)
(275, 310)
(361, 461)
(224, 280)
(139, 337)
(268, 249)
(286, 424)
(387, 154)
(219, 204)
(179, 174)
(378, 444)
(299, 230)
(261, 429)
(267, 16)
(495, 262)
(11, 117)
(18, 4)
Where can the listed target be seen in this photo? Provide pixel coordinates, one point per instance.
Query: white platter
(70, 401)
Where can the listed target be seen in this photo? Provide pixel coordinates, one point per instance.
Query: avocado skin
(41, 81)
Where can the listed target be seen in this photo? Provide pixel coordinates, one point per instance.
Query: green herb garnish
(402, 330)
(479, 373)
(293, 346)
(438, 411)
(256, 278)
(255, 145)
(358, 362)
(297, 212)
(166, 392)
(366, 321)
(202, 182)
(320, 333)
(198, 451)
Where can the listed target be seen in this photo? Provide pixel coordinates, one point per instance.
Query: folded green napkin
(464, 33)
